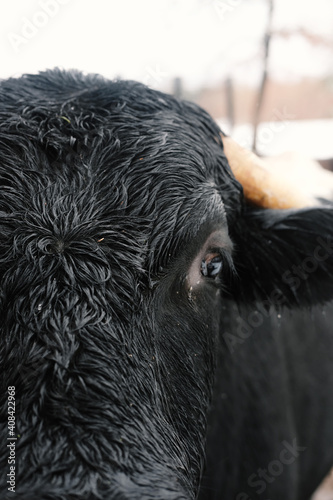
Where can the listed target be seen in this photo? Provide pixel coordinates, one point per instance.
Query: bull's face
(114, 250)
(115, 256)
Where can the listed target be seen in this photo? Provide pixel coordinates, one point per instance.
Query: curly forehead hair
(136, 152)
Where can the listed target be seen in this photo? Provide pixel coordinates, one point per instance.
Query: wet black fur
(108, 190)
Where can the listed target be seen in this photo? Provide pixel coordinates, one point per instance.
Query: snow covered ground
(313, 138)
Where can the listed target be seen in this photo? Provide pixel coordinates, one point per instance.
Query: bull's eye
(211, 265)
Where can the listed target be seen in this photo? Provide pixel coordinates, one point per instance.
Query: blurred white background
(214, 47)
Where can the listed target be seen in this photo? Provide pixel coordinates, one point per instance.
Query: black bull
(132, 274)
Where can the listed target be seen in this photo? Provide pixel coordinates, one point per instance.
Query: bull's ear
(284, 256)
(284, 249)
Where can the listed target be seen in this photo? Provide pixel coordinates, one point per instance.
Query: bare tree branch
(261, 92)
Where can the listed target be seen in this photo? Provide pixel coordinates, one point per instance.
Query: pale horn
(267, 185)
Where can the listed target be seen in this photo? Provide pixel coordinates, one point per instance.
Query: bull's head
(123, 235)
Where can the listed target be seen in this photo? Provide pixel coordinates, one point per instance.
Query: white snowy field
(314, 138)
